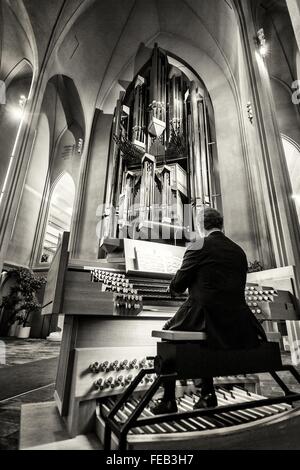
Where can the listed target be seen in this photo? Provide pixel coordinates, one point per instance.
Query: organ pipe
(138, 133)
(203, 157)
(166, 195)
(208, 152)
(112, 169)
(158, 88)
(196, 148)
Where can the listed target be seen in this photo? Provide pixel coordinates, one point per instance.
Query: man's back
(215, 275)
(221, 270)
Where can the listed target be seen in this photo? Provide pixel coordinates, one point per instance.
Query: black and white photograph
(149, 228)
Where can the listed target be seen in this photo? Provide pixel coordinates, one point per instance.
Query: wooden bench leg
(107, 437)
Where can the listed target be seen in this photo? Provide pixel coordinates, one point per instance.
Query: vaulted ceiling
(95, 41)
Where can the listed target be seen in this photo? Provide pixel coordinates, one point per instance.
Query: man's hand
(171, 292)
(168, 324)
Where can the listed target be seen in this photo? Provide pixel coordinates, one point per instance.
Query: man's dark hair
(212, 219)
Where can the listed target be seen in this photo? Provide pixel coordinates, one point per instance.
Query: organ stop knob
(123, 364)
(94, 367)
(99, 384)
(133, 364)
(119, 381)
(108, 382)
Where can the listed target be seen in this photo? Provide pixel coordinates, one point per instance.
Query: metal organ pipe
(166, 195)
(196, 147)
(129, 187)
(142, 115)
(181, 103)
(147, 188)
(158, 84)
(154, 79)
(138, 112)
(208, 157)
(164, 86)
(135, 114)
(176, 102)
(108, 224)
(203, 156)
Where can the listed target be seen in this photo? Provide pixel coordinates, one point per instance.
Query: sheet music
(152, 257)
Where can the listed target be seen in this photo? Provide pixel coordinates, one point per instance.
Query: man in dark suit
(214, 271)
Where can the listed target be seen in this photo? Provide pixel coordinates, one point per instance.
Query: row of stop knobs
(118, 365)
(110, 382)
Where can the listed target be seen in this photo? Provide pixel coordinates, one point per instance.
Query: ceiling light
(16, 112)
(262, 43)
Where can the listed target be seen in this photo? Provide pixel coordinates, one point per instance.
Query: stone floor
(24, 351)
(10, 412)
(18, 351)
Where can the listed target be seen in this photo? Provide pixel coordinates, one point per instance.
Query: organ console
(108, 348)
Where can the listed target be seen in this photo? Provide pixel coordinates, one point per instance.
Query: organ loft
(121, 123)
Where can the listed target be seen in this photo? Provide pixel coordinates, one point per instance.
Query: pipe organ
(161, 171)
(160, 158)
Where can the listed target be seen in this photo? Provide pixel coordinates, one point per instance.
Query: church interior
(119, 121)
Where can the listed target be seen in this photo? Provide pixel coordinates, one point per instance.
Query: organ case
(161, 158)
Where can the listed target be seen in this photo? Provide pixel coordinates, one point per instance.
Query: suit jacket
(214, 271)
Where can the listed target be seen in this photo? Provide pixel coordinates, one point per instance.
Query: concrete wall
(287, 113)
(88, 242)
(19, 250)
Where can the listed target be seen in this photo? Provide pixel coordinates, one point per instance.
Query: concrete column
(280, 207)
(92, 190)
(294, 11)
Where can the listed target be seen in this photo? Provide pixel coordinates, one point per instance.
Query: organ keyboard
(134, 294)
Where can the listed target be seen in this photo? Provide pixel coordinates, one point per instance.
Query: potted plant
(23, 318)
(22, 303)
(10, 307)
